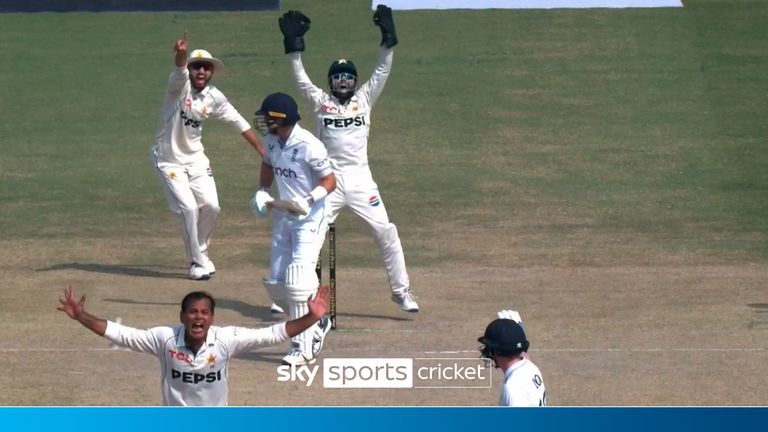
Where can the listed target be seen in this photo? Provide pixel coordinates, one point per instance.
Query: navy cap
(280, 106)
(506, 336)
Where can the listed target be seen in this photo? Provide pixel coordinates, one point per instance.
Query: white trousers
(360, 193)
(191, 194)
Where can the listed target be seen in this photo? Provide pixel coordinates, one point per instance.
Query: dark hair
(197, 295)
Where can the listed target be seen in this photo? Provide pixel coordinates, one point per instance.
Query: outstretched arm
(75, 309)
(255, 142)
(245, 338)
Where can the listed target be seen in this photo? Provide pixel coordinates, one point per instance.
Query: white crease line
(619, 350)
(12, 350)
(598, 350)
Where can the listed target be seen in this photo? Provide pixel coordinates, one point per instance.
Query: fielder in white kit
(194, 356)
(505, 343)
(178, 153)
(298, 163)
(343, 122)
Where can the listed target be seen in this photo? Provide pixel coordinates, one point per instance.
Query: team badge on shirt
(374, 201)
(212, 360)
(172, 175)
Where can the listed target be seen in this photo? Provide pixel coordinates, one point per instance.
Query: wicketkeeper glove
(293, 25)
(259, 202)
(383, 18)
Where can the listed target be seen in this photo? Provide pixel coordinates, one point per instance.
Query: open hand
(69, 305)
(318, 305)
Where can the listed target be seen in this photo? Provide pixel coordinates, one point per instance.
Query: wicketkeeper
(343, 121)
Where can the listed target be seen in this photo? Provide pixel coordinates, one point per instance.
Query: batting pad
(525, 4)
(300, 282)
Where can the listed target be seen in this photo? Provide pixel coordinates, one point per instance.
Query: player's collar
(292, 140)
(181, 342)
(510, 370)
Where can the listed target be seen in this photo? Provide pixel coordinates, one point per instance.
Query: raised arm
(180, 47)
(242, 339)
(137, 340)
(75, 309)
(293, 25)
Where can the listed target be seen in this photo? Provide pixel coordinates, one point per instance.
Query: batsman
(343, 122)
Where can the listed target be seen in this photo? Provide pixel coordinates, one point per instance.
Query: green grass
(579, 136)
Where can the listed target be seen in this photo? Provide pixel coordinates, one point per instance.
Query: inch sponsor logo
(285, 172)
(344, 122)
(196, 378)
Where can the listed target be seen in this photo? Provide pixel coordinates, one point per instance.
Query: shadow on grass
(384, 317)
(126, 270)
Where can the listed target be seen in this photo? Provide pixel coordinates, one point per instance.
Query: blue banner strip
(398, 419)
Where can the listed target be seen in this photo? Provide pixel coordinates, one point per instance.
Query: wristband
(317, 194)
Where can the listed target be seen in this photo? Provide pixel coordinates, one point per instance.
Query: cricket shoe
(321, 331)
(198, 272)
(275, 309)
(210, 268)
(406, 301)
(296, 357)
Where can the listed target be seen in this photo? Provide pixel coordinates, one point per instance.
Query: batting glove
(383, 18)
(303, 204)
(510, 315)
(293, 25)
(259, 202)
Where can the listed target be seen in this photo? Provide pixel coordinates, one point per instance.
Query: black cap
(280, 106)
(341, 66)
(505, 336)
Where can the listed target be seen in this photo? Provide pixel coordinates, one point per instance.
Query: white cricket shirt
(188, 378)
(344, 128)
(298, 165)
(178, 136)
(523, 386)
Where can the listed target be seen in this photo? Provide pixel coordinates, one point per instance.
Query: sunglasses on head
(201, 65)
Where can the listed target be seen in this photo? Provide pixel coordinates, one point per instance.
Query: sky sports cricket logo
(393, 373)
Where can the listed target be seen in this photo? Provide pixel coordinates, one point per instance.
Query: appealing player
(343, 121)
(298, 163)
(178, 156)
(194, 357)
(505, 343)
